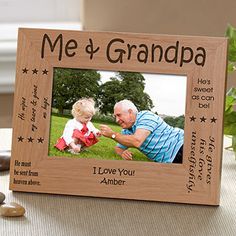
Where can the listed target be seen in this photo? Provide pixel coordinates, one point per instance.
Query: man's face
(125, 119)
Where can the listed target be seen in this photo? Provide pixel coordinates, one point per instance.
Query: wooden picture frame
(201, 59)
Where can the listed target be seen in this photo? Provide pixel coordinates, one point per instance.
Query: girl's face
(85, 118)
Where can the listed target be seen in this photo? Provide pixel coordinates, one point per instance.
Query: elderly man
(147, 132)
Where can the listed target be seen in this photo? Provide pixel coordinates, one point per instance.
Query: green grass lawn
(103, 150)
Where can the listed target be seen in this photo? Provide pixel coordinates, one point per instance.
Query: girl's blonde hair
(83, 106)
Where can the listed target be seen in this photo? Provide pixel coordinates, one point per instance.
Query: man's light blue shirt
(164, 141)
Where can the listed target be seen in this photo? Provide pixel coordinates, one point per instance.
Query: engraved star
(45, 72)
(213, 120)
(192, 118)
(25, 70)
(35, 71)
(30, 140)
(203, 119)
(20, 139)
(40, 140)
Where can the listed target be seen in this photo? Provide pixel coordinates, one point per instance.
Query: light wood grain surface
(202, 59)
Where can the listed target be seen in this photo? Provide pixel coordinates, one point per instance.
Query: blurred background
(182, 17)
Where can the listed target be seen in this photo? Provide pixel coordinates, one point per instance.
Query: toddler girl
(79, 132)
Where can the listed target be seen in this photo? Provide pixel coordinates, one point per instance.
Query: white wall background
(39, 10)
(54, 14)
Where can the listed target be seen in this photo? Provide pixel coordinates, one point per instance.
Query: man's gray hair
(126, 105)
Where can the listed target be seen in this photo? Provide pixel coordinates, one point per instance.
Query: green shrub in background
(230, 103)
(231, 34)
(175, 121)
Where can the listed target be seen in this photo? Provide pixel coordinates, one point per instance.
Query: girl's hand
(76, 149)
(99, 134)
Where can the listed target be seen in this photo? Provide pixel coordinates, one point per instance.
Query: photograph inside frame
(117, 115)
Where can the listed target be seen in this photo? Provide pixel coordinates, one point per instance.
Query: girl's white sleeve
(93, 129)
(68, 132)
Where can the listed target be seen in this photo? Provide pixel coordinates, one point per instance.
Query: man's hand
(106, 131)
(124, 153)
(127, 155)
